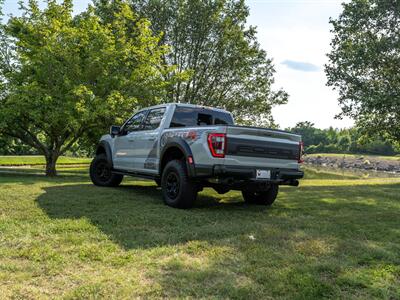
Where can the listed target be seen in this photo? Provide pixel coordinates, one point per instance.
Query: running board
(135, 174)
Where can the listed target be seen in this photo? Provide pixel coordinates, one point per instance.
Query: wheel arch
(176, 148)
(104, 148)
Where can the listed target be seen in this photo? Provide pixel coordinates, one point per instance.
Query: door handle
(151, 139)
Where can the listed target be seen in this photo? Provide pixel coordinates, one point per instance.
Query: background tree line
(352, 140)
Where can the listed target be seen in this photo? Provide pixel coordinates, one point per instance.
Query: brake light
(301, 152)
(217, 144)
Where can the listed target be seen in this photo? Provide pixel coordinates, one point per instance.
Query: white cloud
(300, 65)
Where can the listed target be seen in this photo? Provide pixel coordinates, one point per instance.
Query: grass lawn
(333, 237)
(10, 160)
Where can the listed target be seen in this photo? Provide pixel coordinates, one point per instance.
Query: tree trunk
(51, 160)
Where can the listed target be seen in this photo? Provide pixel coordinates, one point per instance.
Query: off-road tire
(261, 197)
(177, 188)
(101, 172)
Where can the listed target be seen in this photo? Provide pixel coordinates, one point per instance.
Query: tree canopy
(212, 44)
(364, 64)
(64, 77)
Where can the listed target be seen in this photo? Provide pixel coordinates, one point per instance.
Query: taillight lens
(301, 152)
(217, 144)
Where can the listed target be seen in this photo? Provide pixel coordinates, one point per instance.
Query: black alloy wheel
(172, 185)
(101, 172)
(177, 188)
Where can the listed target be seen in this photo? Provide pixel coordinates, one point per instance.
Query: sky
(296, 35)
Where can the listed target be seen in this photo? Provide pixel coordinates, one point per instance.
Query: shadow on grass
(134, 216)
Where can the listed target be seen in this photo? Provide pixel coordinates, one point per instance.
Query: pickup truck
(185, 147)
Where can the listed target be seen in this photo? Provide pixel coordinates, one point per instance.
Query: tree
(211, 42)
(343, 143)
(65, 77)
(364, 65)
(309, 134)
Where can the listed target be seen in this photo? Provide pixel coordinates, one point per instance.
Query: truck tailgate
(259, 147)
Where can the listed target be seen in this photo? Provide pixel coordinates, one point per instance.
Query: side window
(184, 117)
(135, 122)
(154, 118)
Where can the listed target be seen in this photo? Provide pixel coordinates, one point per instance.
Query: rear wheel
(177, 188)
(261, 197)
(101, 172)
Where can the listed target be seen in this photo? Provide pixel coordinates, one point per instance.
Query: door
(147, 140)
(125, 146)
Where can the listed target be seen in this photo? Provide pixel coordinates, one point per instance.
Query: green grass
(333, 237)
(10, 160)
(340, 155)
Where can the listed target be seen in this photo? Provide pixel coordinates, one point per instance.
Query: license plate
(263, 174)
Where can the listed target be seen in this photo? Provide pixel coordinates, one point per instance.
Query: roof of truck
(187, 105)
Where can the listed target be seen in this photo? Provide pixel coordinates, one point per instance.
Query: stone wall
(348, 162)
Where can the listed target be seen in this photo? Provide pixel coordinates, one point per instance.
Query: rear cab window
(154, 118)
(198, 116)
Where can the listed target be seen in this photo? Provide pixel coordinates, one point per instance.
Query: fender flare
(107, 148)
(183, 146)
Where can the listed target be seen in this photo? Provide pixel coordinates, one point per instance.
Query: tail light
(301, 152)
(217, 144)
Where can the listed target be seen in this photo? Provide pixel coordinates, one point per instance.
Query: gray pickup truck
(185, 148)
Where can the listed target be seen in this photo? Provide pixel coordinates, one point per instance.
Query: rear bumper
(245, 173)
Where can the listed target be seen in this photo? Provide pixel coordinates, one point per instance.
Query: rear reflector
(217, 144)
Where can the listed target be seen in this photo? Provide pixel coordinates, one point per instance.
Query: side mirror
(115, 130)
